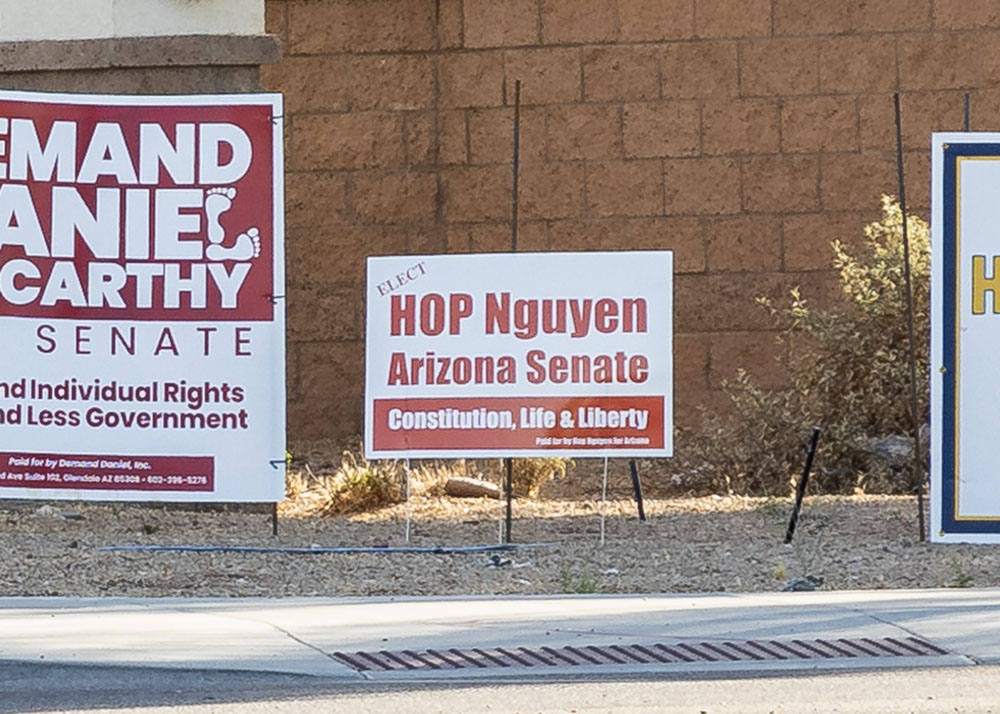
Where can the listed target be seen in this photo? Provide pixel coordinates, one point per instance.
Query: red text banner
(107, 473)
(136, 212)
(501, 423)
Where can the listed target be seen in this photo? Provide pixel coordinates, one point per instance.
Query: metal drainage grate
(675, 653)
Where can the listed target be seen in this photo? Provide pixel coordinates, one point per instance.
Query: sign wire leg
(500, 500)
(407, 500)
(604, 498)
(509, 465)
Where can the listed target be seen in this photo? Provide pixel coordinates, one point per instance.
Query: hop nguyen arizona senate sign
(519, 354)
(141, 245)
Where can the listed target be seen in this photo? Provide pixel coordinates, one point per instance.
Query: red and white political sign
(519, 354)
(141, 253)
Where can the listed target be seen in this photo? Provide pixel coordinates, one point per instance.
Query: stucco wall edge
(116, 52)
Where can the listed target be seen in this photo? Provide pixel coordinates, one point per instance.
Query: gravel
(686, 545)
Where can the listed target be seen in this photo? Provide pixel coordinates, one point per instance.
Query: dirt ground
(686, 545)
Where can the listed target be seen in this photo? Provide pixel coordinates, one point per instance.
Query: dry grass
(356, 484)
(528, 476)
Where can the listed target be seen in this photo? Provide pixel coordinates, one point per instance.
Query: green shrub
(579, 582)
(848, 372)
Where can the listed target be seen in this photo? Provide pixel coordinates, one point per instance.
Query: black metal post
(277, 464)
(517, 161)
(508, 464)
(637, 488)
(917, 475)
(800, 491)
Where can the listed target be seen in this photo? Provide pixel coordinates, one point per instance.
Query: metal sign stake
(508, 464)
(917, 475)
(800, 490)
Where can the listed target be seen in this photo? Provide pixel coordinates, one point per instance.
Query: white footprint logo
(247, 245)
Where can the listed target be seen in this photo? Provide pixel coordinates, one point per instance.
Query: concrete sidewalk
(302, 635)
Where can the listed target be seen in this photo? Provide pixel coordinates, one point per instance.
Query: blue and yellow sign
(965, 338)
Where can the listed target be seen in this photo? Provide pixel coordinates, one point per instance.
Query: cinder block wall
(745, 136)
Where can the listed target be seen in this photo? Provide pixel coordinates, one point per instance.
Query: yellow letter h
(981, 284)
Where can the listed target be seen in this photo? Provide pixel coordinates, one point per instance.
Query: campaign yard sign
(965, 337)
(519, 354)
(141, 253)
